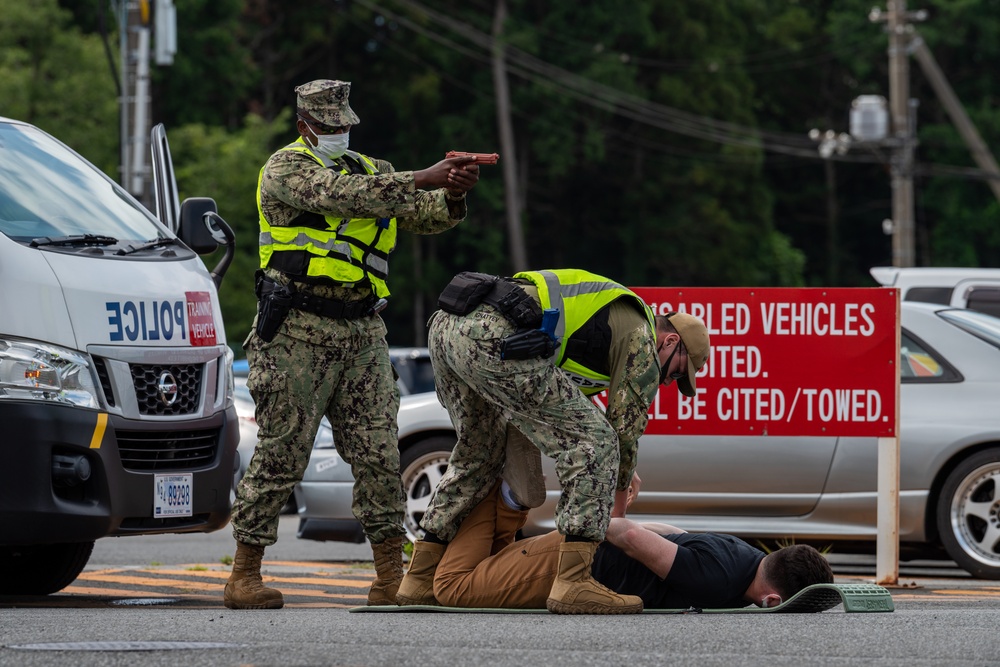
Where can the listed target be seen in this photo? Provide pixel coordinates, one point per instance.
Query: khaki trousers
(484, 567)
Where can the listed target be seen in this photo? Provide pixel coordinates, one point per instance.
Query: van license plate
(172, 495)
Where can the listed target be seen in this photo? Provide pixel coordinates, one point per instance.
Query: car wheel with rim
(968, 514)
(423, 465)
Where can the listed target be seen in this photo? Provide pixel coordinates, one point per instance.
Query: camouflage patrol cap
(326, 101)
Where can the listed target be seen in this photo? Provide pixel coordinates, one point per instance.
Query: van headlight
(36, 371)
(229, 391)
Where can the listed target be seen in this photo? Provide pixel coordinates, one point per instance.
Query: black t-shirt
(711, 571)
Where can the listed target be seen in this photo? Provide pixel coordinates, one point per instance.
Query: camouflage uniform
(595, 453)
(319, 366)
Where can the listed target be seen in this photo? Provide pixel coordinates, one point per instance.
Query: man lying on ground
(664, 565)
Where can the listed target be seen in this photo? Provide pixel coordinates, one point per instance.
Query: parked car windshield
(982, 326)
(47, 190)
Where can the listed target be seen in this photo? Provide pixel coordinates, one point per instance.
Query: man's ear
(303, 130)
(671, 338)
(771, 600)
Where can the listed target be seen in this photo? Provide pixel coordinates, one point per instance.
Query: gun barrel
(481, 158)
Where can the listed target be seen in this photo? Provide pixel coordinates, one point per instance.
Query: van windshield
(49, 192)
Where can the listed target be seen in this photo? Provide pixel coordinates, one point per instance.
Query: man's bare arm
(644, 545)
(661, 528)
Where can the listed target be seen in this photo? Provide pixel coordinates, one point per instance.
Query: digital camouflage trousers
(483, 393)
(346, 375)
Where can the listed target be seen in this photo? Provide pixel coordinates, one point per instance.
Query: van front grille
(167, 451)
(167, 390)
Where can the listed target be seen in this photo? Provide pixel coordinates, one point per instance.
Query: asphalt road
(158, 601)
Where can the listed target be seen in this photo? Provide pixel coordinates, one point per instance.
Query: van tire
(43, 569)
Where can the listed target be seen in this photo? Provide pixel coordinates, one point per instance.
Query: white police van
(116, 389)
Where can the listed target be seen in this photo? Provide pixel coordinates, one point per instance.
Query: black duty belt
(332, 308)
(310, 303)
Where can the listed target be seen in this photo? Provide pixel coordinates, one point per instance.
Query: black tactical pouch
(466, 291)
(274, 300)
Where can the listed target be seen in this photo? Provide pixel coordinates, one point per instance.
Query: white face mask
(331, 145)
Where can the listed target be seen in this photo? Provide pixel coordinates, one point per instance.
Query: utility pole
(134, 42)
(512, 200)
(904, 41)
(977, 147)
(903, 227)
(868, 130)
(135, 23)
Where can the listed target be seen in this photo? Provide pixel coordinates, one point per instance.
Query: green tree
(54, 76)
(211, 161)
(213, 75)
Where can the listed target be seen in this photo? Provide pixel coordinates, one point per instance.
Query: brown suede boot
(388, 571)
(245, 589)
(418, 584)
(576, 592)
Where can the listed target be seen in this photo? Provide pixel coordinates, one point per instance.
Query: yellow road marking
(72, 593)
(181, 584)
(122, 576)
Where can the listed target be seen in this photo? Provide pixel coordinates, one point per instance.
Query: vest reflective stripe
(348, 251)
(304, 241)
(579, 295)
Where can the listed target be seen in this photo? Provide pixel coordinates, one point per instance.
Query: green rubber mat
(818, 597)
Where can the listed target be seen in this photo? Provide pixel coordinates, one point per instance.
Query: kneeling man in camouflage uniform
(510, 358)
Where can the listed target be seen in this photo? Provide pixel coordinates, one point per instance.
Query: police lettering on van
(149, 320)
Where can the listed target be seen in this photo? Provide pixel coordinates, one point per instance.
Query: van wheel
(968, 514)
(422, 466)
(41, 570)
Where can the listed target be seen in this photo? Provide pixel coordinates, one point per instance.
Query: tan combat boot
(576, 592)
(245, 589)
(388, 571)
(418, 584)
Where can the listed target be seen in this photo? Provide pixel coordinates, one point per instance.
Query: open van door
(164, 183)
(197, 221)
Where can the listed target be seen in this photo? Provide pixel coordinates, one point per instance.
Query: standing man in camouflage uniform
(328, 221)
(494, 372)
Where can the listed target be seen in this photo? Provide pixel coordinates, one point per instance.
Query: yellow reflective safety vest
(317, 248)
(584, 342)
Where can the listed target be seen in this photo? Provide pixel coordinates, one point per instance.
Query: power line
(604, 97)
(535, 70)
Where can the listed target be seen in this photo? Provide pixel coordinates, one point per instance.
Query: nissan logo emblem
(167, 388)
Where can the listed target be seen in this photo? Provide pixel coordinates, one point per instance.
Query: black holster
(274, 300)
(528, 344)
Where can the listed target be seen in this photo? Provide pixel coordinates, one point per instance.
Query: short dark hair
(790, 569)
(663, 324)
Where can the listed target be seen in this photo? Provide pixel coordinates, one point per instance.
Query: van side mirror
(203, 230)
(193, 228)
